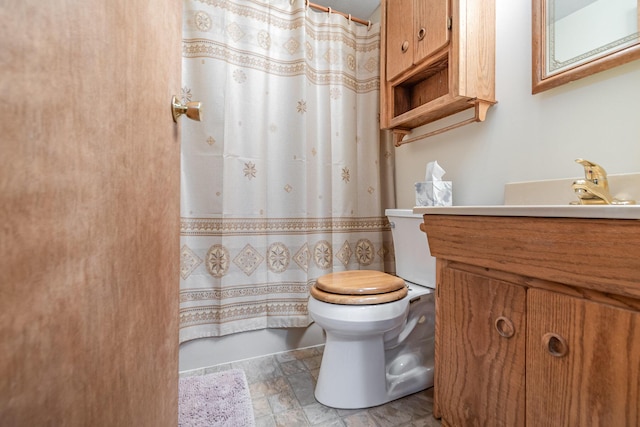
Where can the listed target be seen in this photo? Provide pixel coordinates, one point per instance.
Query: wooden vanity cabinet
(437, 59)
(537, 321)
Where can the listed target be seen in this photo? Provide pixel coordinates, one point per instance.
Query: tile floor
(282, 385)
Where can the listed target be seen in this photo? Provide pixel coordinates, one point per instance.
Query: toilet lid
(359, 287)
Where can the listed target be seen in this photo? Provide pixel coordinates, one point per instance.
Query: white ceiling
(357, 8)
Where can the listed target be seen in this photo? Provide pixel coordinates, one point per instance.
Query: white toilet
(379, 328)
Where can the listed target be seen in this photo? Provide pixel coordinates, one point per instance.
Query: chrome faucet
(594, 188)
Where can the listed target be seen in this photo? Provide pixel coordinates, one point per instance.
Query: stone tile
(346, 412)
(417, 405)
(333, 423)
(387, 415)
(266, 421)
(312, 362)
(283, 402)
(427, 421)
(287, 356)
(303, 385)
(259, 369)
(303, 353)
(314, 373)
(295, 418)
(293, 367)
(428, 394)
(300, 354)
(270, 387)
(319, 414)
(360, 419)
(261, 407)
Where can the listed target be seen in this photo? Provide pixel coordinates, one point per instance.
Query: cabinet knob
(405, 46)
(555, 344)
(505, 327)
(421, 33)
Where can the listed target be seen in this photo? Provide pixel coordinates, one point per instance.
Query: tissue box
(434, 193)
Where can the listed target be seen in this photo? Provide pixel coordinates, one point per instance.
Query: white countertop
(549, 211)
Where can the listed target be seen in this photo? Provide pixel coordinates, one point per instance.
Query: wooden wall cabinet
(437, 59)
(533, 327)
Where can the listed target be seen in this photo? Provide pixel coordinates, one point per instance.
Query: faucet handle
(594, 173)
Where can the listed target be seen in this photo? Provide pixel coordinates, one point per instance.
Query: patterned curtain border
(250, 226)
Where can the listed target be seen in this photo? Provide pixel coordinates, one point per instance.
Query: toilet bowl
(379, 327)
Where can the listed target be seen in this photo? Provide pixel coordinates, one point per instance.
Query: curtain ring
(329, 11)
(306, 4)
(291, 2)
(349, 18)
(369, 26)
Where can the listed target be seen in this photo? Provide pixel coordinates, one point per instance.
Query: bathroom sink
(549, 211)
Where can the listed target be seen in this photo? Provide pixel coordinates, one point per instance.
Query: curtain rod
(346, 15)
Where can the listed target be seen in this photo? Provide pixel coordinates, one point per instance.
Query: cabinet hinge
(450, 23)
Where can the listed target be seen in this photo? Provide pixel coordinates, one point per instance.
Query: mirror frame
(538, 51)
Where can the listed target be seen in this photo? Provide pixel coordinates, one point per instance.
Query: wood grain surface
(597, 254)
(552, 303)
(479, 373)
(89, 209)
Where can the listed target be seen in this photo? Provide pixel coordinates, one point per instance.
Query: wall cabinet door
(583, 362)
(431, 27)
(480, 350)
(399, 37)
(415, 30)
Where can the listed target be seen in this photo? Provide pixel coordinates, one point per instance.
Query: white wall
(525, 137)
(531, 137)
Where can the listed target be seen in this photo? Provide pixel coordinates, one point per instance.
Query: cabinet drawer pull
(422, 33)
(405, 46)
(504, 327)
(555, 344)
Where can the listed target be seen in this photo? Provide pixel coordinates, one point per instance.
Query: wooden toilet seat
(359, 287)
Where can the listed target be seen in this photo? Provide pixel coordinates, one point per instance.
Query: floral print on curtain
(285, 178)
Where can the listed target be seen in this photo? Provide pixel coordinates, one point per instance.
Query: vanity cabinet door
(480, 350)
(583, 362)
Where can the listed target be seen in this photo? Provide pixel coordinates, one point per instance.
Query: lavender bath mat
(218, 399)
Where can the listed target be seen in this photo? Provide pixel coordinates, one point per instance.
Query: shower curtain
(285, 178)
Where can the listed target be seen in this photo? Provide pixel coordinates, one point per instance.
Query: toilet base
(354, 377)
(351, 376)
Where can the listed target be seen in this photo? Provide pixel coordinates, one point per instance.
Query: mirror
(573, 39)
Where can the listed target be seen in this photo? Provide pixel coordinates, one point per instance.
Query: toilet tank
(414, 262)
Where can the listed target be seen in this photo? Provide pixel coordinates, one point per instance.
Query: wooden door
(431, 31)
(400, 36)
(480, 350)
(89, 213)
(583, 362)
